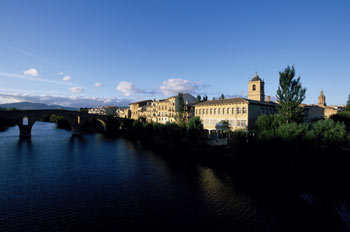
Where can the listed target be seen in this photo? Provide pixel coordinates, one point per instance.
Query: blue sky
(114, 52)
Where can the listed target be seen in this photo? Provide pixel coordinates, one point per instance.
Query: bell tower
(256, 89)
(322, 99)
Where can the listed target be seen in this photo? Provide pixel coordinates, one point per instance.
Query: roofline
(239, 100)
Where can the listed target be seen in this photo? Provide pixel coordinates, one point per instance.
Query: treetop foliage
(290, 95)
(347, 107)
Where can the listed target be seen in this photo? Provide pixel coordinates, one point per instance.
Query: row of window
(232, 123)
(223, 111)
(164, 107)
(165, 114)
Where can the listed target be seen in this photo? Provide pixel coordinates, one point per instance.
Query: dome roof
(256, 78)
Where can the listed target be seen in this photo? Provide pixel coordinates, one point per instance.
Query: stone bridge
(25, 119)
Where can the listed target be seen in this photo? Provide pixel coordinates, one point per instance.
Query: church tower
(322, 99)
(256, 89)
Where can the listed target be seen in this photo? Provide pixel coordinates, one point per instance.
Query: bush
(292, 132)
(328, 133)
(238, 138)
(194, 129)
(268, 122)
(344, 117)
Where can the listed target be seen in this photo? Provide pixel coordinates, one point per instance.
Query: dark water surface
(58, 183)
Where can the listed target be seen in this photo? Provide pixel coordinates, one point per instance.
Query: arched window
(223, 110)
(233, 110)
(196, 112)
(254, 87)
(228, 110)
(238, 110)
(244, 110)
(219, 111)
(207, 111)
(211, 111)
(215, 111)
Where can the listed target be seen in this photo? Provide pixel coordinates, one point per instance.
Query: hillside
(35, 106)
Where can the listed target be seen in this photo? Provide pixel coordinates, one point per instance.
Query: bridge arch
(93, 124)
(25, 119)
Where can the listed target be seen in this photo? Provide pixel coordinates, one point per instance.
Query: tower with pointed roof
(256, 89)
(322, 99)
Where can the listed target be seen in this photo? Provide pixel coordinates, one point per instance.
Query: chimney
(268, 99)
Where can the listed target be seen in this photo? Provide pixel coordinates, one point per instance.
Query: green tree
(342, 117)
(222, 96)
(205, 98)
(268, 122)
(181, 114)
(60, 122)
(292, 132)
(225, 125)
(199, 98)
(328, 133)
(347, 107)
(194, 128)
(84, 110)
(290, 95)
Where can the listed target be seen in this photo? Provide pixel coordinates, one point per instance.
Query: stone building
(161, 111)
(103, 110)
(241, 113)
(123, 112)
(139, 109)
(167, 109)
(321, 110)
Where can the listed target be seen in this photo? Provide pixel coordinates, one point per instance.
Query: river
(56, 182)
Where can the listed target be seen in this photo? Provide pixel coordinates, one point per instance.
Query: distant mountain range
(35, 106)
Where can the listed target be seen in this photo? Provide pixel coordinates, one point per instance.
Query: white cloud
(67, 78)
(60, 73)
(98, 84)
(76, 90)
(71, 101)
(174, 86)
(31, 72)
(127, 88)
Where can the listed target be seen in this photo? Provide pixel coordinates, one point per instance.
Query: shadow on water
(24, 146)
(76, 138)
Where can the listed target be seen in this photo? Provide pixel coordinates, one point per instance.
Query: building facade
(168, 109)
(139, 109)
(103, 110)
(162, 111)
(123, 112)
(321, 110)
(241, 113)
